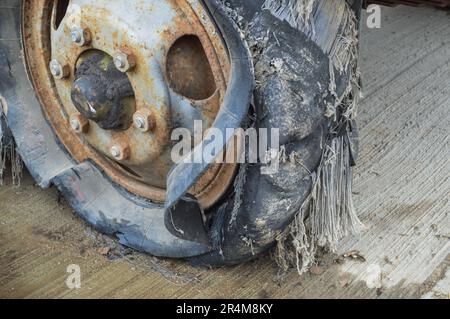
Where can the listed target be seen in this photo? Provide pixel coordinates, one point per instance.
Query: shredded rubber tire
(293, 95)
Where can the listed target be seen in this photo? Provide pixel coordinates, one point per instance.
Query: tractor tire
(258, 207)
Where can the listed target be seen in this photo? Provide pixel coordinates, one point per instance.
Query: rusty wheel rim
(47, 37)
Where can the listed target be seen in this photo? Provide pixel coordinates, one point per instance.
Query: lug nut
(58, 70)
(124, 62)
(115, 151)
(120, 152)
(79, 123)
(139, 122)
(80, 37)
(144, 120)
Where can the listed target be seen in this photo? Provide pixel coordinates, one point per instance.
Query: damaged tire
(301, 70)
(293, 95)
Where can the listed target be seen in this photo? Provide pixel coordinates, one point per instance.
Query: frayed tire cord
(9, 157)
(264, 208)
(3, 146)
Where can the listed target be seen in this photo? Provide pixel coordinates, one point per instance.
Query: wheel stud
(80, 37)
(124, 62)
(58, 70)
(120, 152)
(144, 120)
(79, 123)
(139, 122)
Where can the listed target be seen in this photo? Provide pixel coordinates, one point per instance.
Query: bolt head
(76, 36)
(124, 62)
(120, 152)
(79, 123)
(55, 70)
(144, 120)
(139, 122)
(120, 61)
(75, 125)
(79, 36)
(58, 70)
(115, 151)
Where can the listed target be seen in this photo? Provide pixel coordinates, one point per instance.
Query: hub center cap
(102, 93)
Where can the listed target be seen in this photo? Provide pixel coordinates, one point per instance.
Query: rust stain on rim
(36, 26)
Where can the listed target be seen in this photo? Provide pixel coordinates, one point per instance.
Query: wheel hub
(124, 76)
(101, 93)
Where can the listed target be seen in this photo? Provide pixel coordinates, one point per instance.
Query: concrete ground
(402, 190)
